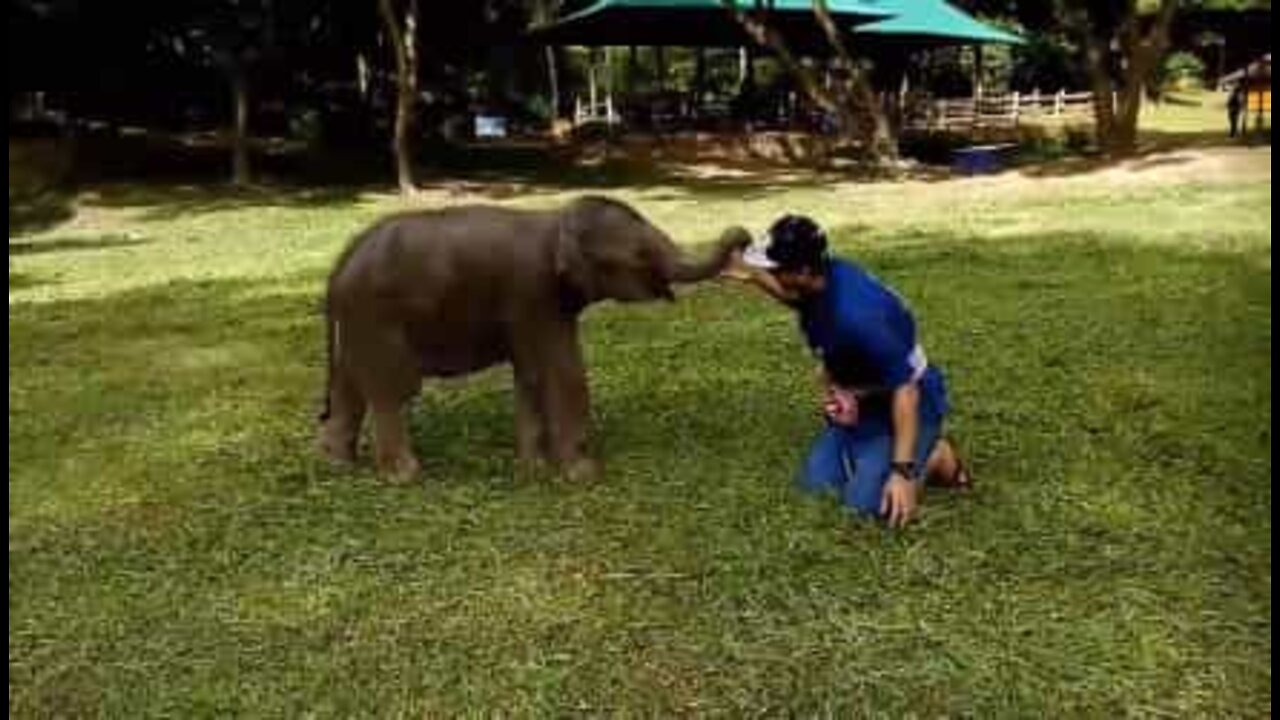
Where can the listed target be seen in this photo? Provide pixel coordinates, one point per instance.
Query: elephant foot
(338, 448)
(405, 470)
(583, 470)
(532, 469)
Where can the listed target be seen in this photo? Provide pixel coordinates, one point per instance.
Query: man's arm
(906, 422)
(901, 493)
(763, 279)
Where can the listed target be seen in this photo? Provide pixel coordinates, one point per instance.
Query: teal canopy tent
(932, 22)
(707, 23)
(694, 23)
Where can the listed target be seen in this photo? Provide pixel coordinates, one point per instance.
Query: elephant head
(607, 250)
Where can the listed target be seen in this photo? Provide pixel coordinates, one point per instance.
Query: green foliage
(1181, 71)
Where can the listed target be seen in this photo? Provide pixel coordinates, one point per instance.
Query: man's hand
(737, 269)
(899, 501)
(841, 405)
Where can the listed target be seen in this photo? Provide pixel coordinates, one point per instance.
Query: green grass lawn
(1192, 113)
(175, 548)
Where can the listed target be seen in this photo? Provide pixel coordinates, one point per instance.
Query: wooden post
(608, 87)
(1014, 109)
(1059, 101)
(633, 68)
(608, 70)
(977, 71)
(594, 97)
(699, 75)
(553, 80)
(660, 58)
(362, 75)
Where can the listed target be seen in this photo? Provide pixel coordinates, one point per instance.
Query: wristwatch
(905, 469)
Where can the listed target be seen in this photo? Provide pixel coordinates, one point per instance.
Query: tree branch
(766, 36)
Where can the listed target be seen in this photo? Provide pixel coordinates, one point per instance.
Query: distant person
(1235, 108)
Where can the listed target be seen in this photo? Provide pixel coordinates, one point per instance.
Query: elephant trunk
(688, 270)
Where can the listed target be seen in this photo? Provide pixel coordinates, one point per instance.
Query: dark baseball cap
(792, 242)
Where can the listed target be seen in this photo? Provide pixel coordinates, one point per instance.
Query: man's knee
(865, 489)
(822, 470)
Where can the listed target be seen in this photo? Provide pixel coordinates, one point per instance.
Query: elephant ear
(572, 271)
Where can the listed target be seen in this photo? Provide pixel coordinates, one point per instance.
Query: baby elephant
(453, 291)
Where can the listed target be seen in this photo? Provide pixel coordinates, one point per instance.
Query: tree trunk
(1104, 110)
(1118, 109)
(864, 114)
(766, 36)
(404, 39)
(854, 103)
(240, 174)
(1144, 54)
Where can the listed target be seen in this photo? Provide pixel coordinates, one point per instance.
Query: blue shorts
(854, 462)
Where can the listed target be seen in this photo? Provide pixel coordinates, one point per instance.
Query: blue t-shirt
(865, 336)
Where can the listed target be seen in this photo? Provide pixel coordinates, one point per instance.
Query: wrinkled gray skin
(454, 291)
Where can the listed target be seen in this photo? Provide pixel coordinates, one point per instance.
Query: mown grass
(176, 549)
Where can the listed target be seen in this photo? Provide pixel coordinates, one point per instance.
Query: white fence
(1000, 111)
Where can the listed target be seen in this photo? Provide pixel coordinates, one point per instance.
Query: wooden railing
(1000, 111)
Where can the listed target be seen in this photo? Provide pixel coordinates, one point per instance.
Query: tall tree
(402, 28)
(1121, 43)
(237, 37)
(852, 100)
(542, 12)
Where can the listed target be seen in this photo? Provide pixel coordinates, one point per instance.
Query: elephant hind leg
(387, 373)
(340, 429)
(396, 461)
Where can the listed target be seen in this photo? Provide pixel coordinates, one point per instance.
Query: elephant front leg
(567, 404)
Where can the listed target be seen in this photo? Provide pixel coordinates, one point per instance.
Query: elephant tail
(332, 330)
(331, 339)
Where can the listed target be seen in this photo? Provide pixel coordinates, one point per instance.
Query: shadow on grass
(33, 212)
(171, 175)
(1157, 148)
(494, 172)
(504, 171)
(171, 201)
(24, 281)
(168, 178)
(64, 245)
